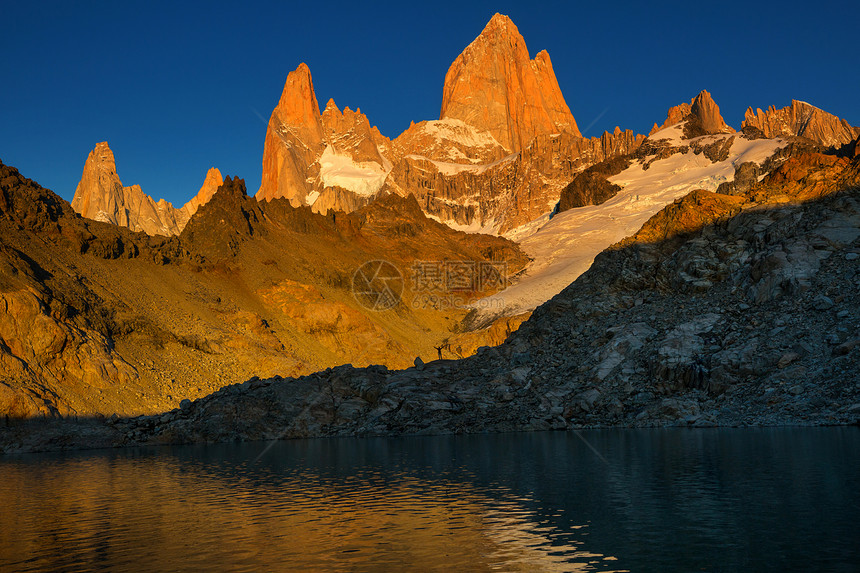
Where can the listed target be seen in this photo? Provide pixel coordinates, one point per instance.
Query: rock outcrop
(702, 112)
(213, 181)
(495, 87)
(101, 196)
(804, 120)
(294, 140)
(330, 161)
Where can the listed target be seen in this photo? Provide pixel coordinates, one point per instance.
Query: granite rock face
(213, 181)
(331, 161)
(804, 120)
(101, 196)
(294, 139)
(495, 87)
(504, 146)
(702, 112)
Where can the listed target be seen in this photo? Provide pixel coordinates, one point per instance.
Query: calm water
(657, 500)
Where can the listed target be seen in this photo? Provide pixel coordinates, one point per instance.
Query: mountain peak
(101, 156)
(702, 110)
(100, 195)
(500, 24)
(294, 137)
(298, 104)
(802, 119)
(211, 184)
(705, 109)
(331, 105)
(494, 86)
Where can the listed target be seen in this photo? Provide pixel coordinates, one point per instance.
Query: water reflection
(672, 500)
(339, 505)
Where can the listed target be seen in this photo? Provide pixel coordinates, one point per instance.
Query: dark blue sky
(177, 87)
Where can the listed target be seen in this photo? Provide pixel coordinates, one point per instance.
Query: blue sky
(177, 87)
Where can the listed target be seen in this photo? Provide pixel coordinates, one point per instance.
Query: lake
(776, 499)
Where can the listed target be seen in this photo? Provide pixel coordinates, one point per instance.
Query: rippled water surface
(627, 500)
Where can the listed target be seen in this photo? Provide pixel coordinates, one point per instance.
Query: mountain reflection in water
(662, 500)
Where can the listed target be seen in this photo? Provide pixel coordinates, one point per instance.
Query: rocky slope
(804, 120)
(97, 319)
(101, 196)
(723, 310)
(611, 200)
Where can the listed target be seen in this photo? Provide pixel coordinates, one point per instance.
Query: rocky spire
(213, 181)
(702, 110)
(294, 138)
(802, 119)
(707, 112)
(495, 87)
(101, 196)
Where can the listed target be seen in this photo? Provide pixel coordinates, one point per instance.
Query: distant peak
(299, 86)
(500, 20)
(707, 111)
(802, 119)
(703, 109)
(214, 174)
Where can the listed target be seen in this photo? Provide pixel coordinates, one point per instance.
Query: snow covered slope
(565, 246)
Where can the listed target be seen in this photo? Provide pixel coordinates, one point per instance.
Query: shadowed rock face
(495, 87)
(804, 120)
(591, 187)
(101, 196)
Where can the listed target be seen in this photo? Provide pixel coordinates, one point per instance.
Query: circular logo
(377, 285)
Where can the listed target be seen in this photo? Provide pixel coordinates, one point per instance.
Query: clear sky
(178, 87)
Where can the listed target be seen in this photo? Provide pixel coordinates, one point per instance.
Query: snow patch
(362, 178)
(565, 246)
(673, 135)
(489, 228)
(458, 131)
(453, 169)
